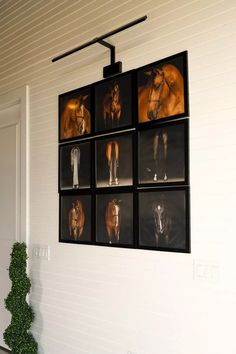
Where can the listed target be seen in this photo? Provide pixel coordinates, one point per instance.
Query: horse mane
(66, 115)
(173, 78)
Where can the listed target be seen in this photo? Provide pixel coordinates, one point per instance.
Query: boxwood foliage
(17, 335)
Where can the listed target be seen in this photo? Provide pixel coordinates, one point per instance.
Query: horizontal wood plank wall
(95, 300)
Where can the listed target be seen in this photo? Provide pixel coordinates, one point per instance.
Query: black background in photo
(175, 205)
(102, 91)
(143, 79)
(66, 172)
(126, 215)
(66, 205)
(174, 166)
(125, 168)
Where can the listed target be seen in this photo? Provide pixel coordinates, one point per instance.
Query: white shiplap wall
(95, 300)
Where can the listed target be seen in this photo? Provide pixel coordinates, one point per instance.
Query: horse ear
(158, 71)
(84, 98)
(148, 73)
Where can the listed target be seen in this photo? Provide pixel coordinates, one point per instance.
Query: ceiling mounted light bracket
(115, 67)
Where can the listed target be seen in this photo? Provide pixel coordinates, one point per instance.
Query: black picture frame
(162, 90)
(114, 163)
(164, 219)
(76, 226)
(163, 154)
(114, 104)
(98, 185)
(106, 234)
(75, 166)
(75, 114)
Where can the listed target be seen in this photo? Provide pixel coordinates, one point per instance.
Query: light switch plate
(41, 252)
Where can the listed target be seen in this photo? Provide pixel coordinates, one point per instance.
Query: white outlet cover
(206, 270)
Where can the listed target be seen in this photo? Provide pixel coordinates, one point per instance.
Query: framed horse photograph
(75, 111)
(114, 160)
(114, 219)
(75, 224)
(75, 166)
(163, 89)
(163, 154)
(113, 104)
(164, 219)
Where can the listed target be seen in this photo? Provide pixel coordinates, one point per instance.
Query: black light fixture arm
(115, 67)
(99, 39)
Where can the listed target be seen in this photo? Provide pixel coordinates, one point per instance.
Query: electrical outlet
(206, 270)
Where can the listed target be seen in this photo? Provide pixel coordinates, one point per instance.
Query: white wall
(97, 300)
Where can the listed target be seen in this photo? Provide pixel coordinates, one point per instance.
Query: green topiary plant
(16, 336)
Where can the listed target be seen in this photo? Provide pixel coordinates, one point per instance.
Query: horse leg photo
(116, 162)
(105, 118)
(112, 157)
(80, 231)
(157, 239)
(165, 146)
(112, 118)
(75, 163)
(117, 233)
(111, 180)
(109, 162)
(115, 172)
(109, 233)
(167, 239)
(155, 155)
(118, 114)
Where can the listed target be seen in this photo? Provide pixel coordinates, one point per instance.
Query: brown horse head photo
(114, 218)
(113, 103)
(162, 219)
(161, 91)
(75, 117)
(75, 218)
(112, 106)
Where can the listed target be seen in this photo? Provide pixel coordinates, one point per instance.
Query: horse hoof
(165, 177)
(155, 177)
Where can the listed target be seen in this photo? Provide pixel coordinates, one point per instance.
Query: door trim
(20, 97)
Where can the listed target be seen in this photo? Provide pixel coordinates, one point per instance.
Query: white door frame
(20, 97)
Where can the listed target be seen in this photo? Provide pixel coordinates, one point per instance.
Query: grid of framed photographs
(124, 160)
